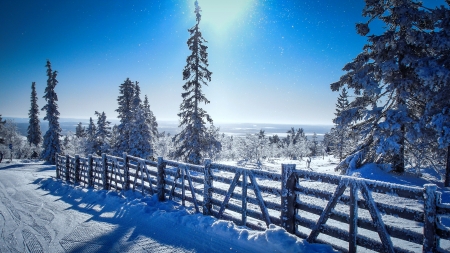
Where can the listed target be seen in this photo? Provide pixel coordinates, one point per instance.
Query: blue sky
(272, 61)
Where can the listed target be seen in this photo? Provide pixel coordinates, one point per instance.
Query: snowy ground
(41, 214)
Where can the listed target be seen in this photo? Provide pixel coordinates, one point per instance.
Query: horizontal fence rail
(343, 211)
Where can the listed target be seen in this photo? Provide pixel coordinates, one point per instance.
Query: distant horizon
(84, 120)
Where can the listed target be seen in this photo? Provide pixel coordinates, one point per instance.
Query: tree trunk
(399, 158)
(447, 169)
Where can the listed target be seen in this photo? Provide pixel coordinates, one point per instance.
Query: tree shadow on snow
(122, 222)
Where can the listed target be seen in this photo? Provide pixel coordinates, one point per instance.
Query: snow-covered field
(41, 214)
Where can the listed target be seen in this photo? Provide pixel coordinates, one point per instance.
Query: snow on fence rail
(315, 206)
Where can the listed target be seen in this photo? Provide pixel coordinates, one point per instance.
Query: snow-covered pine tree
(113, 139)
(341, 130)
(435, 73)
(34, 135)
(140, 135)
(125, 114)
(140, 142)
(314, 145)
(80, 130)
(2, 123)
(384, 79)
(151, 120)
(51, 144)
(194, 140)
(91, 143)
(102, 134)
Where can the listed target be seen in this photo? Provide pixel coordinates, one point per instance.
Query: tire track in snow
(32, 243)
(26, 213)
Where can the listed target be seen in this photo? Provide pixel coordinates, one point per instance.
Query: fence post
(161, 181)
(208, 188)
(105, 172)
(77, 169)
(429, 223)
(90, 171)
(67, 168)
(57, 167)
(288, 197)
(126, 169)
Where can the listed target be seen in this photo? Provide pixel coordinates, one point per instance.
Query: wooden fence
(345, 212)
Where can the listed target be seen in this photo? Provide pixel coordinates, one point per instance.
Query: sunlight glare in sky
(221, 14)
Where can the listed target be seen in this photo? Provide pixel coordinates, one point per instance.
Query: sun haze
(220, 15)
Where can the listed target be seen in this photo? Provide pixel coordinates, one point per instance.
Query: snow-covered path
(41, 214)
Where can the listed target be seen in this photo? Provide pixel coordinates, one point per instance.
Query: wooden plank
(149, 180)
(191, 187)
(378, 222)
(429, 223)
(174, 184)
(327, 211)
(288, 197)
(207, 188)
(262, 206)
(244, 198)
(161, 179)
(104, 173)
(67, 168)
(90, 171)
(376, 186)
(126, 170)
(183, 190)
(353, 230)
(230, 191)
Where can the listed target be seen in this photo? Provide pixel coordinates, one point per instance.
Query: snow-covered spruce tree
(102, 134)
(314, 146)
(113, 139)
(51, 144)
(125, 114)
(2, 123)
(151, 120)
(435, 73)
(34, 135)
(91, 143)
(140, 142)
(341, 130)
(164, 145)
(80, 130)
(194, 140)
(384, 80)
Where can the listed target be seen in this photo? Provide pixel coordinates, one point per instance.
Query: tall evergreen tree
(125, 114)
(435, 72)
(2, 123)
(385, 80)
(341, 129)
(34, 135)
(151, 120)
(102, 134)
(194, 140)
(140, 135)
(80, 130)
(51, 144)
(91, 143)
(113, 139)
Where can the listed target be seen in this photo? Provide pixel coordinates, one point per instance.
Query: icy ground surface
(41, 214)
